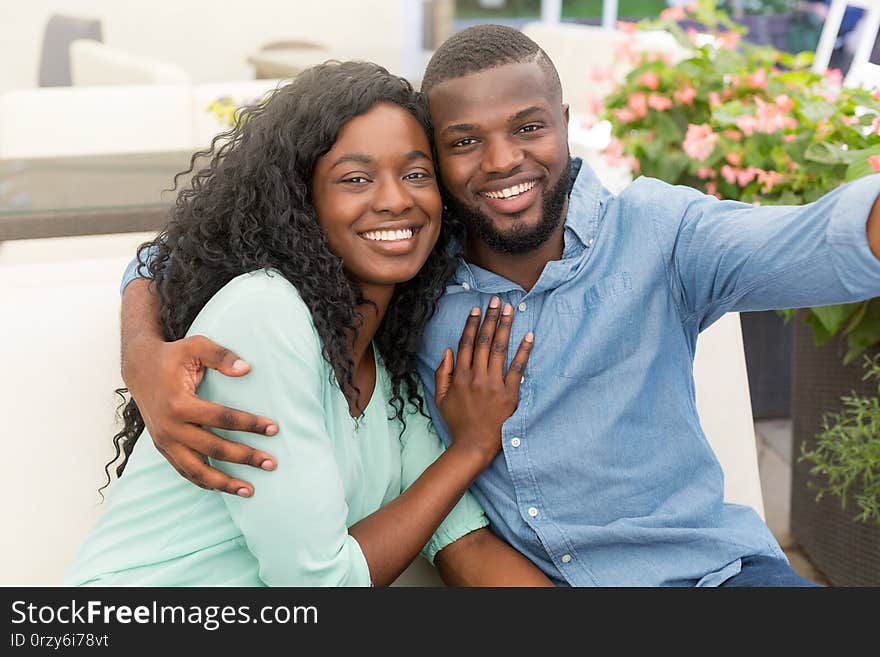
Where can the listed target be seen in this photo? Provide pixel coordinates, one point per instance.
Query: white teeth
(388, 235)
(510, 192)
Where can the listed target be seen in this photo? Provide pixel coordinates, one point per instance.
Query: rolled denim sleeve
(728, 256)
(420, 447)
(137, 270)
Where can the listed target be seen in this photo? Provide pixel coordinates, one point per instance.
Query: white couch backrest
(59, 121)
(94, 63)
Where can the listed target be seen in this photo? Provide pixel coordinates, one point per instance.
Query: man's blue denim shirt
(606, 477)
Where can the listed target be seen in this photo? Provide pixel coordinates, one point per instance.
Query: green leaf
(816, 110)
(860, 166)
(826, 153)
(834, 317)
(820, 334)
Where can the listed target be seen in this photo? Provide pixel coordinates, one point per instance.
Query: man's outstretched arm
(874, 229)
(163, 376)
(480, 558)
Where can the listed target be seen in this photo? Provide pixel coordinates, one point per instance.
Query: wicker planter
(847, 552)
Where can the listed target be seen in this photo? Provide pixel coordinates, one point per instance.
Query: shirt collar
(581, 223)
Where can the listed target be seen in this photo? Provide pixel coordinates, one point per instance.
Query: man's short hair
(482, 47)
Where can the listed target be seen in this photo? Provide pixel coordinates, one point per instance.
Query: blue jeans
(767, 571)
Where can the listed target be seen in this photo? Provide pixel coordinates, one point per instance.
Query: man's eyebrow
(534, 109)
(459, 127)
(417, 155)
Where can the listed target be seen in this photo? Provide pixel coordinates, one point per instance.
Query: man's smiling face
(502, 141)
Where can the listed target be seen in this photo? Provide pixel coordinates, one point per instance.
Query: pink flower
(733, 135)
(747, 124)
(704, 173)
(638, 103)
(728, 173)
(834, 76)
(730, 40)
(875, 125)
(599, 74)
(712, 189)
(626, 27)
(788, 138)
(672, 14)
(768, 180)
(650, 80)
(784, 103)
(699, 142)
(874, 161)
(758, 79)
(635, 165)
(734, 158)
(659, 103)
(745, 176)
(595, 104)
(623, 115)
(685, 95)
(714, 99)
(614, 153)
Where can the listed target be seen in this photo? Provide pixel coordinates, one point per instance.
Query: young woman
(313, 244)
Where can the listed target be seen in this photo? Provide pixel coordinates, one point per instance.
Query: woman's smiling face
(376, 196)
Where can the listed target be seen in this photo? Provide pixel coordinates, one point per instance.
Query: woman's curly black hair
(250, 208)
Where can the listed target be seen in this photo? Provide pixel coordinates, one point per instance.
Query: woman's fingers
(443, 376)
(486, 336)
(518, 364)
(498, 352)
(466, 342)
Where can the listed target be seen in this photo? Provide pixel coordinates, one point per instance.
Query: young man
(607, 478)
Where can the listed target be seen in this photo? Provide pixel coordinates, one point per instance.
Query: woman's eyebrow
(360, 158)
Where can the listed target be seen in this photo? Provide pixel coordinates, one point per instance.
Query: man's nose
(501, 156)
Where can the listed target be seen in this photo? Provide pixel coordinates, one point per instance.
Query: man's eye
(467, 141)
(416, 175)
(532, 127)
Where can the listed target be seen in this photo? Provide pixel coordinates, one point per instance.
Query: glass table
(88, 195)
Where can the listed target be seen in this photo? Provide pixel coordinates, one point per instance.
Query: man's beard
(520, 238)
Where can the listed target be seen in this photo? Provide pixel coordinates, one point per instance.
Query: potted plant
(755, 124)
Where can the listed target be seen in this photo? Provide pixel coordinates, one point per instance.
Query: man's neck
(524, 269)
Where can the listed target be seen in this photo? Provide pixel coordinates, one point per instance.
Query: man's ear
(565, 114)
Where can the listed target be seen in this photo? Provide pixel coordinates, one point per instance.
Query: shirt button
(566, 558)
(590, 242)
(533, 511)
(522, 306)
(465, 287)
(515, 442)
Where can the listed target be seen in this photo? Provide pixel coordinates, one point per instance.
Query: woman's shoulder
(264, 291)
(259, 299)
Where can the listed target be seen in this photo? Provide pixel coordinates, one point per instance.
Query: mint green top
(160, 530)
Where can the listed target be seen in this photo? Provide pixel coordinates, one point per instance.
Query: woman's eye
(355, 179)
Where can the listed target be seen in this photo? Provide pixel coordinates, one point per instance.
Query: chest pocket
(596, 329)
